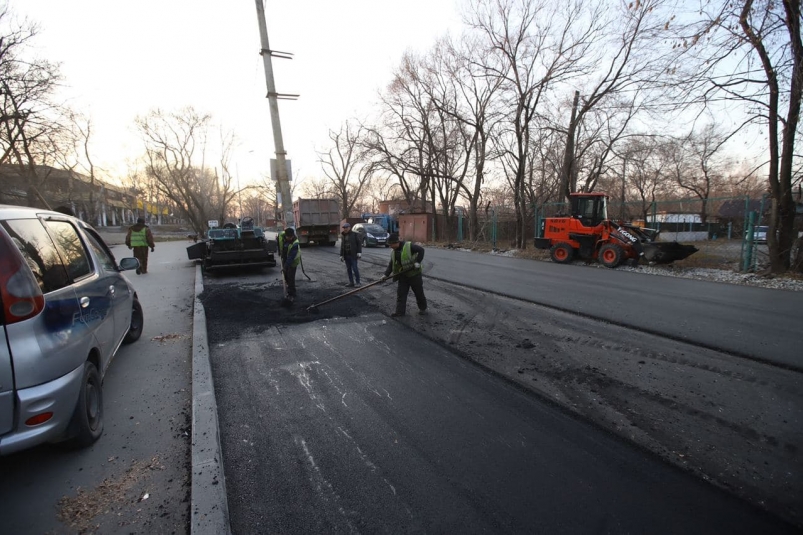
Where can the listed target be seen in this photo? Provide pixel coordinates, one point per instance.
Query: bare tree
(171, 150)
(30, 122)
(647, 171)
(603, 128)
(76, 156)
(318, 188)
(135, 182)
(531, 46)
(749, 54)
(464, 94)
(698, 165)
(346, 167)
(380, 188)
(624, 63)
(404, 142)
(225, 186)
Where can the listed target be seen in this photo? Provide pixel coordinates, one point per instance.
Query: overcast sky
(121, 59)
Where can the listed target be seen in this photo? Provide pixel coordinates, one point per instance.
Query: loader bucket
(667, 252)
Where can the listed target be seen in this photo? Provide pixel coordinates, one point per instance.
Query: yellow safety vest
(138, 237)
(407, 262)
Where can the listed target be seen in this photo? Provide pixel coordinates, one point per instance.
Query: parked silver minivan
(65, 308)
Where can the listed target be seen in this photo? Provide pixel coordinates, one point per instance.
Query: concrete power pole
(285, 200)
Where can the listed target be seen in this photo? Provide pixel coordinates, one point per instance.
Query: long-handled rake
(314, 308)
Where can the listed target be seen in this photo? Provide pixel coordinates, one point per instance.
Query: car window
(40, 253)
(101, 251)
(76, 258)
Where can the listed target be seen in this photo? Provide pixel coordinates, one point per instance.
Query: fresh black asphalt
(359, 425)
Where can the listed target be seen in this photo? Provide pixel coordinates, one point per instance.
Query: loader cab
(590, 208)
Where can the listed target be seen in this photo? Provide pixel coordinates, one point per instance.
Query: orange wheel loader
(588, 234)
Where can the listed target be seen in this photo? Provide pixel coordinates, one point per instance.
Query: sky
(122, 59)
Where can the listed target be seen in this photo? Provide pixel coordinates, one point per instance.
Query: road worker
(405, 265)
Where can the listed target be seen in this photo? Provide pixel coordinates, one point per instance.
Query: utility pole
(285, 200)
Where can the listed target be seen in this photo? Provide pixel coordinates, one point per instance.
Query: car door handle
(84, 302)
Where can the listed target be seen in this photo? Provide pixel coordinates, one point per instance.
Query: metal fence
(722, 228)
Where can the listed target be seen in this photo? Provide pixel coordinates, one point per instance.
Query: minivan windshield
(374, 229)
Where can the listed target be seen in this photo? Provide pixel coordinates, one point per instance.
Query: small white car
(65, 309)
(760, 234)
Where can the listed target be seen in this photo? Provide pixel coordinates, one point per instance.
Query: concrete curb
(209, 507)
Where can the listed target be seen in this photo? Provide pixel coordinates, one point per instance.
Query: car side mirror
(127, 264)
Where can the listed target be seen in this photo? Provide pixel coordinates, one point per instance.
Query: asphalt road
(357, 424)
(759, 323)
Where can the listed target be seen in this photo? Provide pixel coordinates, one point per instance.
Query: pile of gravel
(722, 275)
(784, 282)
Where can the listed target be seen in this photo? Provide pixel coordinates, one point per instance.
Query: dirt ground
(733, 422)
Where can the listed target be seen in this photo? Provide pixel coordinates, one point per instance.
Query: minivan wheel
(137, 322)
(86, 425)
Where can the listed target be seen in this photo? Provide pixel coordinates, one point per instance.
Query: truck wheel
(562, 253)
(86, 425)
(610, 255)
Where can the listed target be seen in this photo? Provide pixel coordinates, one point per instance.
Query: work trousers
(416, 282)
(141, 254)
(352, 269)
(290, 280)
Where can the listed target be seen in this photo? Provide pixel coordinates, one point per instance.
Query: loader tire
(611, 255)
(562, 253)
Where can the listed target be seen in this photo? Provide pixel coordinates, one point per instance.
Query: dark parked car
(371, 235)
(65, 308)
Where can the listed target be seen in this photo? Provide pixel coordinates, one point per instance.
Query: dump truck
(587, 233)
(317, 221)
(234, 246)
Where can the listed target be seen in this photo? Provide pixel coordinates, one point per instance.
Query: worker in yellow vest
(405, 265)
(139, 238)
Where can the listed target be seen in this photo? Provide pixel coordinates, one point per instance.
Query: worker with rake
(405, 265)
